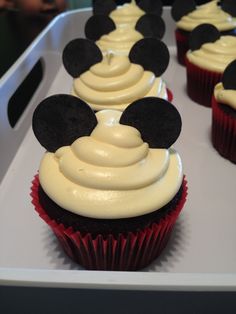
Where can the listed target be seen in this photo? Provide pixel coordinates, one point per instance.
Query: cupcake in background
(119, 40)
(127, 14)
(209, 55)
(114, 81)
(224, 114)
(188, 16)
(110, 185)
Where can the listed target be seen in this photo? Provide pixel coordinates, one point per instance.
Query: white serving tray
(201, 254)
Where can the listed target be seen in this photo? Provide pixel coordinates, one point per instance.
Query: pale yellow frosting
(119, 41)
(127, 14)
(225, 96)
(214, 56)
(116, 82)
(207, 13)
(112, 173)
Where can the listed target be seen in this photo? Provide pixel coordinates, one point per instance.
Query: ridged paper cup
(131, 251)
(201, 83)
(223, 131)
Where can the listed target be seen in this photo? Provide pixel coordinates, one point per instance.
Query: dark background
(167, 2)
(16, 300)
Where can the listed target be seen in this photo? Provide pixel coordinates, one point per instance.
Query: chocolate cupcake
(224, 114)
(110, 185)
(209, 55)
(188, 16)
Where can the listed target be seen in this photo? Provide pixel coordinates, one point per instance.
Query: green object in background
(76, 4)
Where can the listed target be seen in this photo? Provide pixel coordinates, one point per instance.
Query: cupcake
(110, 185)
(119, 40)
(224, 114)
(188, 16)
(127, 14)
(206, 60)
(114, 81)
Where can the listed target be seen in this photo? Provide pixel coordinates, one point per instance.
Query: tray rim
(117, 280)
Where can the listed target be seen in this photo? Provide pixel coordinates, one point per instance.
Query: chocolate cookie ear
(151, 6)
(151, 25)
(152, 54)
(79, 55)
(103, 6)
(229, 6)
(202, 34)
(229, 75)
(181, 8)
(98, 25)
(60, 119)
(158, 121)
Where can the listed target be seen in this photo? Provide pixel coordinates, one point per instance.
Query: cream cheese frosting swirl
(119, 41)
(127, 14)
(214, 56)
(112, 173)
(116, 82)
(225, 96)
(207, 13)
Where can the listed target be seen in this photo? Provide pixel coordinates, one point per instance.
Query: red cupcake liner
(201, 83)
(182, 45)
(169, 95)
(223, 132)
(131, 251)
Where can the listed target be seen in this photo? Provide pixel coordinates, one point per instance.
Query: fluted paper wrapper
(201, 83)
(223, 132)
(131, 251)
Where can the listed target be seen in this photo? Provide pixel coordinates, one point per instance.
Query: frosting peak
(112, 173)
(127, 14)
(118, 135)
(119, 41)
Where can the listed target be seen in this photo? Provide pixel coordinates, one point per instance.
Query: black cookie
(203, 33)
(60, 119)
(229, 75)
(158, 121)
(103, 6)
(229, 6)
(151, 25)
(79, 55)
(152, 54)
(98, 25)
(181, 8)
(151, 6)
